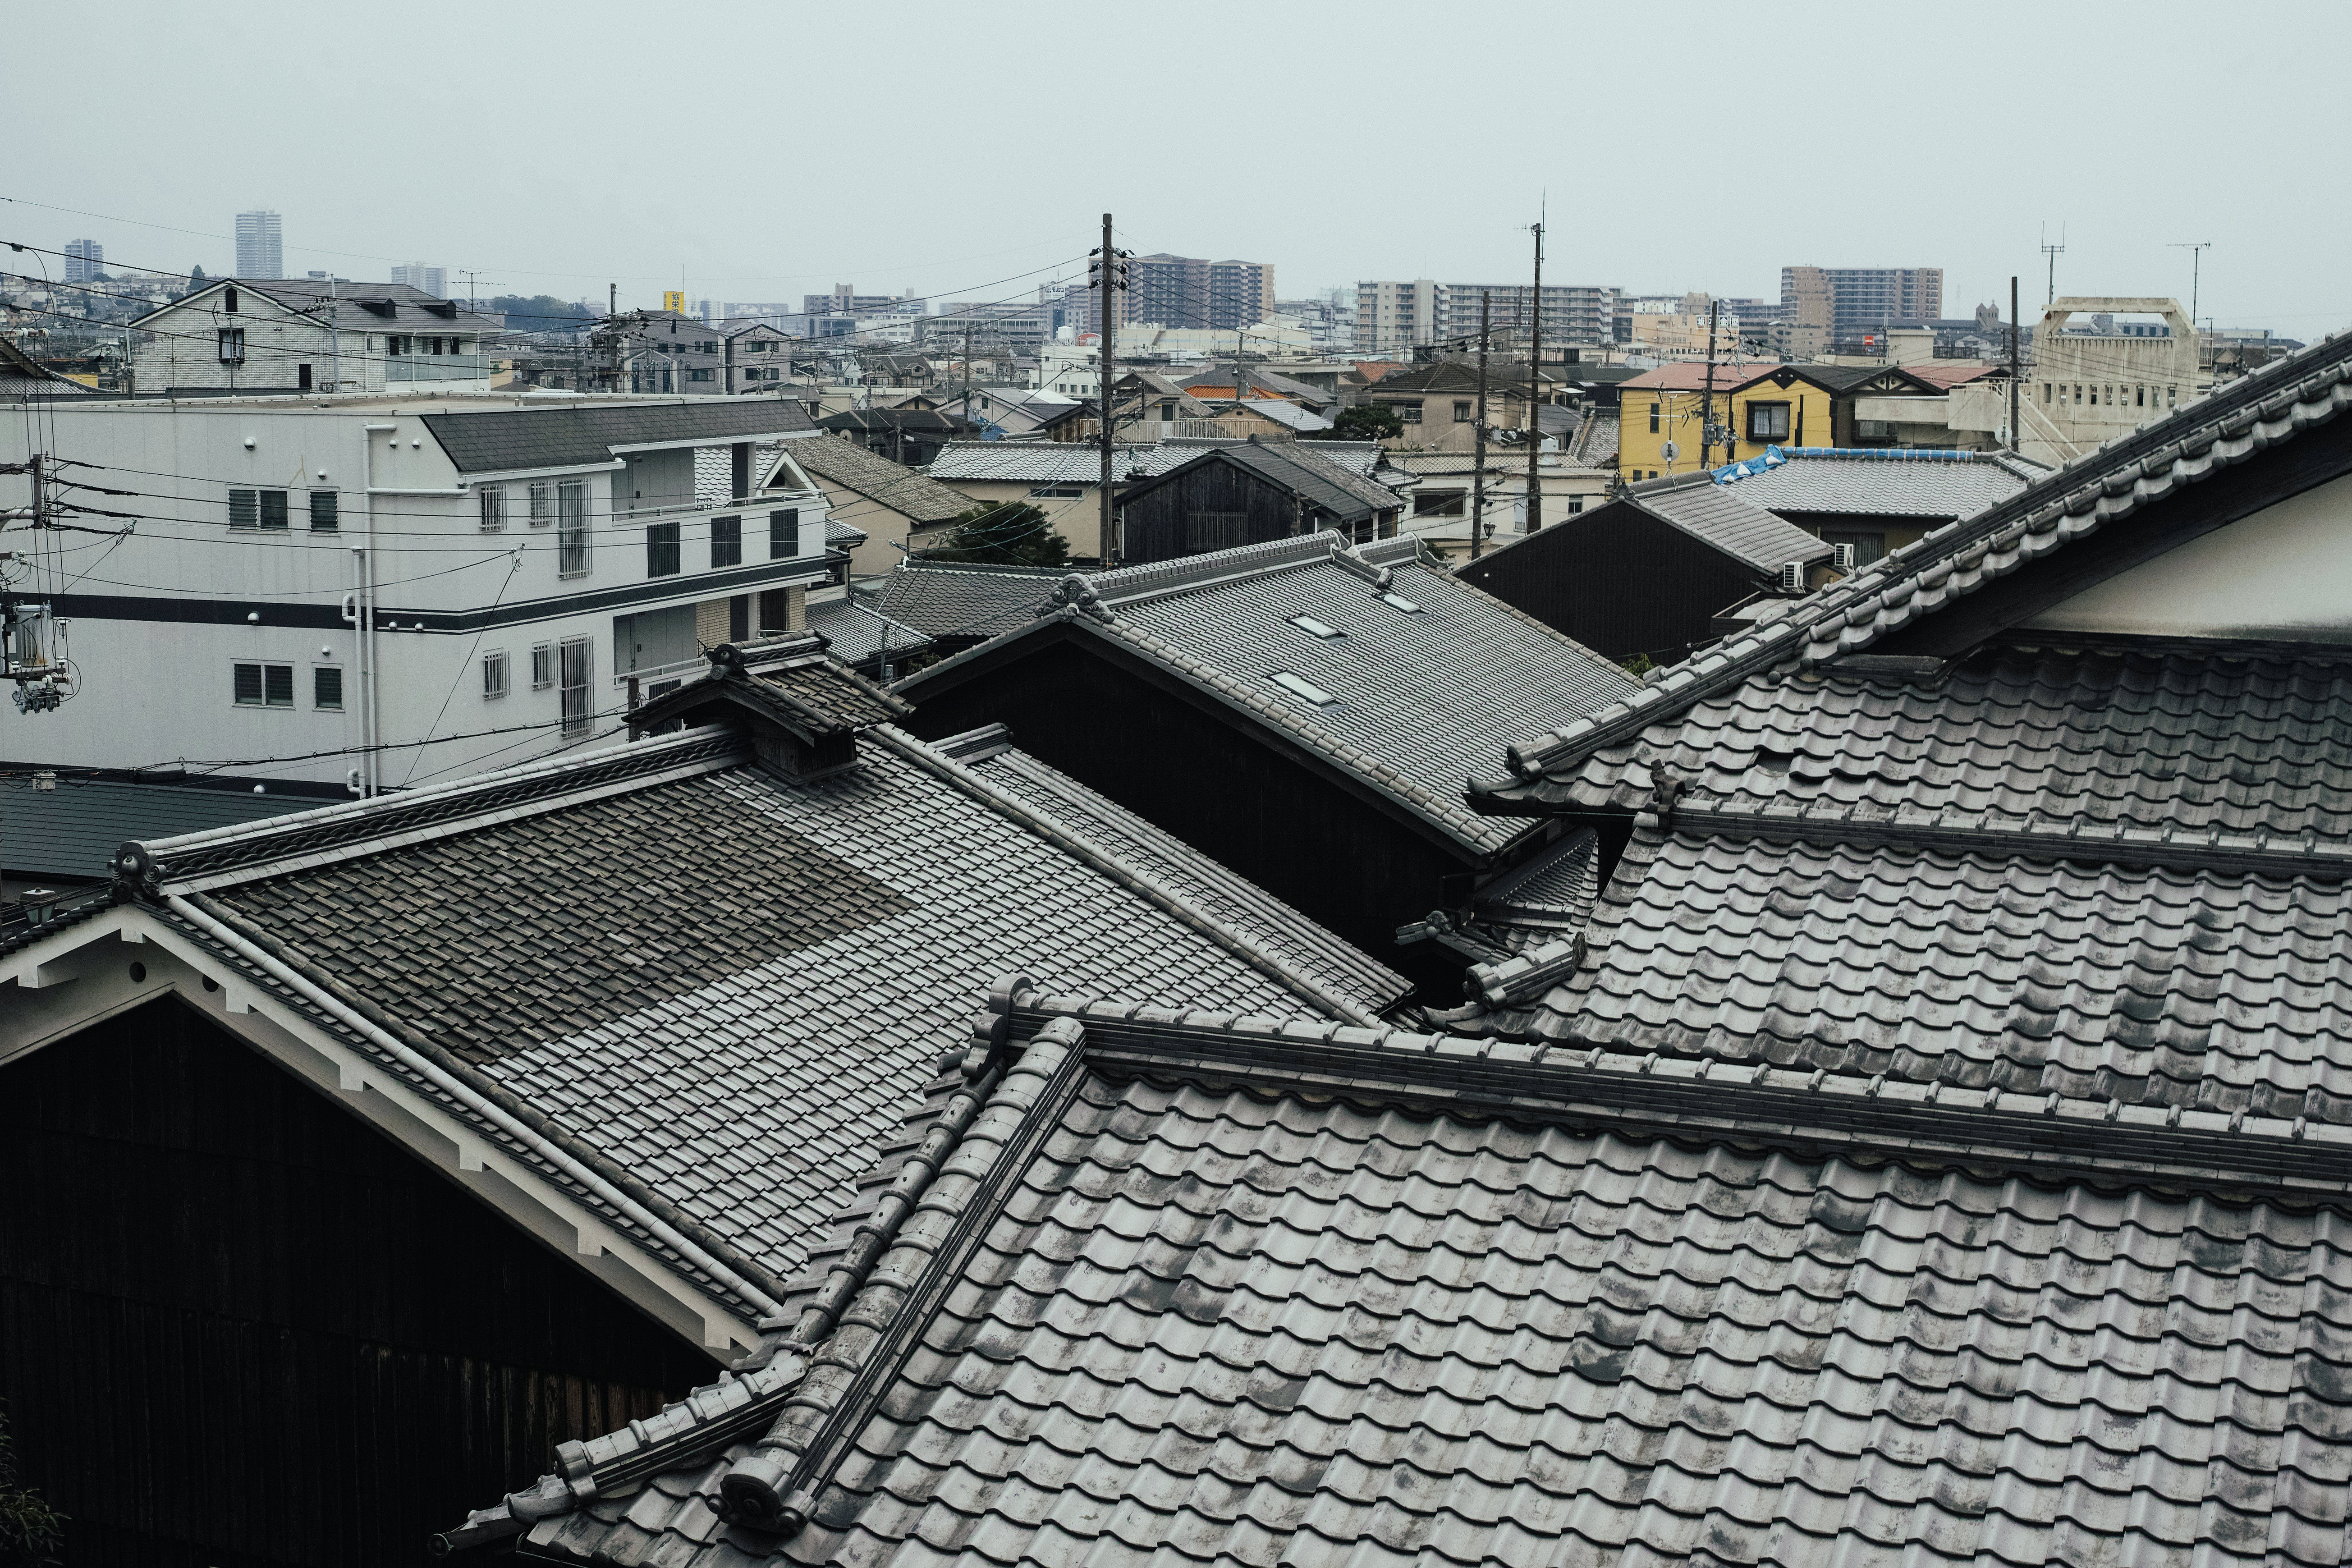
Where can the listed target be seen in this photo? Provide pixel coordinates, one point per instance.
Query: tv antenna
(2054, 252)
(2196, 249)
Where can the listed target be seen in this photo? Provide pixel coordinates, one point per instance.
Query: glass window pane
(277, 682)
(248, 684)
(326, 687)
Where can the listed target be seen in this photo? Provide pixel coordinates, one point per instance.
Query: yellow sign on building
(674, 300)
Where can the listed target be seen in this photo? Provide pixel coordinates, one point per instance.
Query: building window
(1767, 421)
(661, 550)
(571, 529)
(1409, 411)
(273, 510)
(327, 687)
(572, 660)
(494, 673)
(264, 685)
(1440, 503)
(228, 299)
(1653, 418)
(1462, 413)
(244, 509)
(1300, 687)
(542, 505)
(494, 508)
(739, 619)
(784, 534)
(543, 666)
(395, 343)
(231, 345)
(1043, 492)
(697, 375)
(326, 512)
(725, 541)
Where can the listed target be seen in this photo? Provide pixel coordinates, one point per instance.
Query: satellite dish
(1669, 451)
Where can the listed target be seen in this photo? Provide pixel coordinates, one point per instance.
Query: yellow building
(1763, 406)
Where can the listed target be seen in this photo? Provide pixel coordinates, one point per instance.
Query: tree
(1366, 422)
(1011, 534)
(537, 312)
(30, 1530)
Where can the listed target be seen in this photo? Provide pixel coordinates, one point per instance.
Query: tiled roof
(1274, 925)
(1596, 444)
(1295, 466)
(1428, 670)
(1730, 522)
(842, 462)
(855, 633)
(499, 440)
(1048, 462)
(1692, 375)
(2101, 489)
(965, 598)
(1119, 1302)
(1943, 485)
(720, 985)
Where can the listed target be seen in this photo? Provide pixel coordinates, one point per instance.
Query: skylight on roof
(1407, 606)
(1298, 686)
(1309, 625)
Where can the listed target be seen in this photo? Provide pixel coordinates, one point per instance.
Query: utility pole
(613, 334)
(1478, 435)
(2196, 249)
(1109, 278)
(2054, 252)
(2014, 334)
(1534, 389)
(1707, 408)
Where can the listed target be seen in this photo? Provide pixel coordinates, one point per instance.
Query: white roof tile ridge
(968, 779)
(646, 753)
(1952, 562)
(1128, 585)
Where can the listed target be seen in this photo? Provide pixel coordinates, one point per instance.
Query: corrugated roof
(915, 496)
(74, 830)
(1904, 484)
(499, 440)
(1729, 521)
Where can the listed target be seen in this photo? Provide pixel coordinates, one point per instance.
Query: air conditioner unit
(1841, 557)
(1792, 576)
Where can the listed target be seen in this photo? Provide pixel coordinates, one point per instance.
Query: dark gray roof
(1145, 1312)
(1429, 672)
(855, 633)
(964, 599)
(361, 304)
(836, 459)
(73, 830)
(500, 439)
(22, 377)
(1713, 513)
(1944, 485)
(724, 985)
(1242, 905)
(1338, 492)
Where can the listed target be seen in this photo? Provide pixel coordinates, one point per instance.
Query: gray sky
(768, 150)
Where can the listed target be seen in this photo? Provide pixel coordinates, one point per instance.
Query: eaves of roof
(2270, 407)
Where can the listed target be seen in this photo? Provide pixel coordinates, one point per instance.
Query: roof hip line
(592, 1171)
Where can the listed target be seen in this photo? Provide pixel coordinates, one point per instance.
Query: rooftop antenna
(2054, 252)
(2196, 249)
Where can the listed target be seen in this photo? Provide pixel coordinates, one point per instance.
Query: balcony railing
(435, 367)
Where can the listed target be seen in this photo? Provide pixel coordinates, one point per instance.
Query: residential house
(1249, 492)
(1007, 413)
(1761, 406)
(1295, 710)
(667, 352)
(887, 502)
(1874, 500)
(907, 436)
(1929, 1150)
(958, 604)
(1224, 384)
(357, 595)
(23, 379)
(1439, 404)
(759, 357)
(1441, 500)
(254, 335)
(412, 1137)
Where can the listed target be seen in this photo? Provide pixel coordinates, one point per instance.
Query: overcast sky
(760, 151)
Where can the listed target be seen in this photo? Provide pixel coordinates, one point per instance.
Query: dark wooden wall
(1618, 581)
(1154, 520)
(239, 1327)
(1299, 835)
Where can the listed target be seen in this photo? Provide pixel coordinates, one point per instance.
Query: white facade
(260, 249)
(321, 583)
(2084, 389)
(433, 280)
(237, 335)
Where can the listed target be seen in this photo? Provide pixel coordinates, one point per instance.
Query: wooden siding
(1155, 520)
(1244, 802)
(1618, 581)
(239, 1328)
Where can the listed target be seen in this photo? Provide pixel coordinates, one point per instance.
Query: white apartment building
(2085, 389)
(434, 280)
(260, 246)
(273, 335)
(333, 597)
(1393, 318)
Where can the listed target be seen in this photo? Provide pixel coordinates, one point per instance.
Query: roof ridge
(1126, 584)
(2304, 388)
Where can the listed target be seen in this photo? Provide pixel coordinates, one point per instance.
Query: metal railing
(435, 367)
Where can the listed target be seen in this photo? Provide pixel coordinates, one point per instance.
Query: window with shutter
(543, 666)
(542, 505)
(725, 541)
(244, 509)
(273, 509)
(784, 535)
(571, 551)
(493, 501)
(326, 512)
(494, 673)
(574, 657)
(327, 687)
(246, 684)
(661, 550)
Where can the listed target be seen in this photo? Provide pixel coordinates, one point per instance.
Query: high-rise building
(1822, 306)
(433, 280)
(1395, 318)
(845, 301)
(84, 259)
(260, 251)
(1194, 292)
